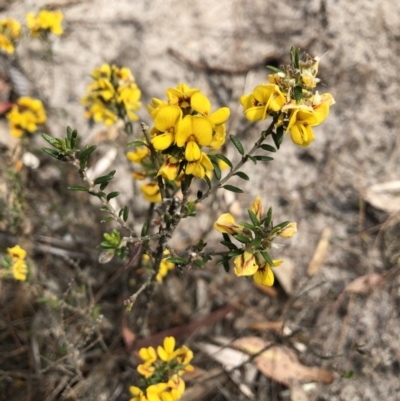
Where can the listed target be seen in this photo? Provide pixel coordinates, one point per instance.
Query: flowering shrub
(162, 371)
(14, 264)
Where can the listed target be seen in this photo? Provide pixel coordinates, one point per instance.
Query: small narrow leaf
(180, 261)
(125, 213)
(267, 258)
(226, 266)
(199, 263)
(268, 148)
(107, 219)
(253, 217)
(217, 171)
(248, 225)
(278, 136)
(54, 153)
(69, 133)
(105, 178)
(112, 195)
(207, 181)
(86, 152)
(78, 188)
(235, 252)
(224, 159)
(252, 158)
(136, 143)
(242, 238)
(272, 68)
(242, 175)
(229, 245)
(233, 189)
(144, 229)
(298, 94)
(263, 158)
(268, 218)
(52, 141)
(255, 243)
(237, 144)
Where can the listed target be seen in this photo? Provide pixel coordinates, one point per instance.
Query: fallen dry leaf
(285, 275)
(364, 284)
(270, 291)
(128, 335)
(266, 325)
(280, 363)
(320, 252)
(385, 196)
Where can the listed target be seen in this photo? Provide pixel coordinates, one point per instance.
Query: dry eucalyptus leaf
(285, 275)
(365, 284)
(320, 252)
(280, 363)
(385, 196)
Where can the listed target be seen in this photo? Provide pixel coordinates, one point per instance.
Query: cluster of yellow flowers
(182, 126)
(165, 266)
(290, 97)
(19, 268)
(45, 22)
(253, 259)
(39, 25)
(25, 116)
(10, 32)
(162, 371)
(113, 95)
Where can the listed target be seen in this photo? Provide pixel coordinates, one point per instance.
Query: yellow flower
(264, 274)
(219, 135)
(167, 352)
(181, 96)
(170, 168)
(19, 270)
(129, 96)
(139, 155)
(44, 22)
(288, 231)
(202, 105)
(148, 355)
(10, 32)
(245, 264)
(25, 116)
(157, 105)
(16, 252)
(264, 99)
(257, 208)
(194, 131)
(166, 123)
(151, 192)
(176, 388)
(200, 167)
(139, 175)
(153, 392)
(226, 224)
(184, 357)
(165, 267)
(146, 370)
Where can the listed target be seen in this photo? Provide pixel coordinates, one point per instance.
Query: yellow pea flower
(288, 231)
(139, 155)
(170, 168)
(200, 167)
(19, 270)
(226, 225)
(167, 352)
(16, 252)
(44, 22)
(151, 192)
(257, 207)
(166, 123)
(245, 264)
(10, 32)
(181, 96)
(264, 274)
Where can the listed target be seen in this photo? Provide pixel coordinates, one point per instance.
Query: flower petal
(200, 103)
(245, 264)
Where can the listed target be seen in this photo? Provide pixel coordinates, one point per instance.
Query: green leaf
(107, 219)
(298, 93)
(104, 209)
(207, 181)
(52, 141)
(237, 144)
(294, 54)
(263, 158)
(268, 219)
(69, 133)
(179, 261)
(136, 143)
(226, 237)
(144, 229)
(224, 159)
(252, 159)
(78, 188)
(112, 195)
(125, 213)
(229, 244)
(279, 227)
(253, 217)
(74, 135)
(54, 153)
(86, 152)
(235, 252)
(233, 189)
(105, 178)
(272, 68)
(226, 266)
(242, 175)
(199, 263)
(267, 258)
(248, 225)
(278, 136)
(217, 171)
(268, 148)
(242, 238)
(256, 242)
